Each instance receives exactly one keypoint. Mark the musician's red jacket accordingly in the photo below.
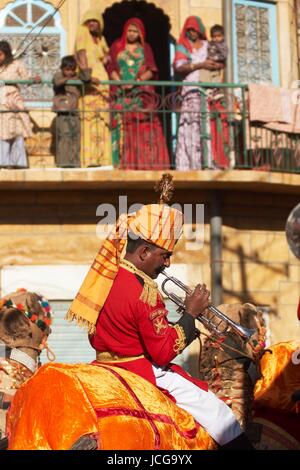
(128, 327)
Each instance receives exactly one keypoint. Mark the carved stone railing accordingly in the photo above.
(225, 133)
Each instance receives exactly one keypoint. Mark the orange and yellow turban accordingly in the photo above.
(156, 223)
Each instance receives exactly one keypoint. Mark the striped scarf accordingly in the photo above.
(158, 224)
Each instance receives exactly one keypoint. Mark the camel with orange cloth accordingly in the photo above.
(262, 388)
(76, 406)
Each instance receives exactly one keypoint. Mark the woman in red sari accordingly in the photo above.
(138, 142)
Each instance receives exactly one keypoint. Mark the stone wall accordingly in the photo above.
(40, 147)
(45, 227)
(209, 10)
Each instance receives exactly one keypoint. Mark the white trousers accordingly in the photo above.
(13, 153)
(208, 410)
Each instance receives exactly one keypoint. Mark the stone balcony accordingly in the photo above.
(97, 178)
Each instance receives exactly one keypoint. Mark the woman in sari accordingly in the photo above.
(91, 53)
(193, 152)
(137, 136)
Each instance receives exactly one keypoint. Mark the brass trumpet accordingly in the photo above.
(213, 326)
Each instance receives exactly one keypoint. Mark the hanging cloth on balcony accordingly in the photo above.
(277, 108)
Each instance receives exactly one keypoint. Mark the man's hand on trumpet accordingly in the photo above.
(198, 301)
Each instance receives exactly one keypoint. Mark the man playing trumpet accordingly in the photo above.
(121, 306)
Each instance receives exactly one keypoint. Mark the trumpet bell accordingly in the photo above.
(217, 323)
(292, 230)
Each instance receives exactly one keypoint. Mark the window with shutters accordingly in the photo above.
(36, 36)
(255, 51)
(69, 343)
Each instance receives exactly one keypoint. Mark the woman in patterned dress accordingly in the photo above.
(193, 152)
(14, 125)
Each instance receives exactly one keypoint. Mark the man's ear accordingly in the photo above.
(144, 251)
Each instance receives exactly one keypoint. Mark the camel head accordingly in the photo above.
(248, 316)
(25, 319)
(232, 346)
(230, 365)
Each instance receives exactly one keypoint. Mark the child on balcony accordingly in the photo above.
(217, 50)
(65, 104)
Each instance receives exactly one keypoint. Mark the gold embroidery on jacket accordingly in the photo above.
(149, 294)
(159, 325)
(158, 313)
(180, 342)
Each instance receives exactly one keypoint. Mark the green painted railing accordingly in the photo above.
(215, 131)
